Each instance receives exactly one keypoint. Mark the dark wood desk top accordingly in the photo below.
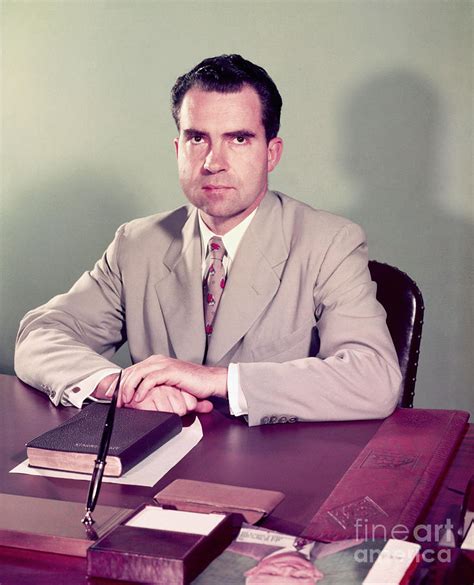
(288, 458)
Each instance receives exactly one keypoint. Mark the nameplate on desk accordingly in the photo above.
(52, 525)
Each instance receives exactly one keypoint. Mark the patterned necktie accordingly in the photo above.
(214, 282)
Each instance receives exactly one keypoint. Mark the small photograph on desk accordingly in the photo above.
(260, 557)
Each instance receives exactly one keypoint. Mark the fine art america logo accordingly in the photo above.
(436, 540)
(369, 520)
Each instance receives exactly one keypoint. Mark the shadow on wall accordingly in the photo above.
(396, 141)
(54, 232)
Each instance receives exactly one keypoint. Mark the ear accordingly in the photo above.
(176, 146)
(274, 152)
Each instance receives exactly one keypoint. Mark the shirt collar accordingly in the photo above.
(231, 239)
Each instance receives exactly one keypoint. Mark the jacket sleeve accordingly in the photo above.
(75, 334)
(356, 373)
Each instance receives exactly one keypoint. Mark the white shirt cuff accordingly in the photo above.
(77, 393)
(237, 402)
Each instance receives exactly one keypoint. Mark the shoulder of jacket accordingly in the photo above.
(159, 224)
(311, 217)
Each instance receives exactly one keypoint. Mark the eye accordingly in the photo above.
(240, 139)
(197, 139)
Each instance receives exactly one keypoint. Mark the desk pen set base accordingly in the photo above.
(162, 546)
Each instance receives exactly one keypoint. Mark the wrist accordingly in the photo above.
(220, 381)
(101, 391)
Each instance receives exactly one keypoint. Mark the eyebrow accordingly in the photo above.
(243, 133)
(189, 132)
(192, 132)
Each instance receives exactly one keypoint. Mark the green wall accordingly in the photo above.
(377, 124)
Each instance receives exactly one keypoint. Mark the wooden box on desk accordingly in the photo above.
(131, 552)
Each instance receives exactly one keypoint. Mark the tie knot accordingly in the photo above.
(216, 248)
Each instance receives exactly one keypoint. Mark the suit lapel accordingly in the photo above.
(180, 293)
(253, 280)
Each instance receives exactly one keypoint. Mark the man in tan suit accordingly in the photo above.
(290, 330)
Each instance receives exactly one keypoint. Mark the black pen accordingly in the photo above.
(100, 462)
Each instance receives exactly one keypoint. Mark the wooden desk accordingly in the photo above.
(289, 458)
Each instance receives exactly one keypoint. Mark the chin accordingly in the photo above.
(219, 211)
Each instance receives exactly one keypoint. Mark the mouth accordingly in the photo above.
(216, 187)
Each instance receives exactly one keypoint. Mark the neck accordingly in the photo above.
(222, 225)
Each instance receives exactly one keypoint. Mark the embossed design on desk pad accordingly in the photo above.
(430, 435)
(362, 509)
(389, 460)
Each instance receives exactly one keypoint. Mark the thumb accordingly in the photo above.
(204, 406)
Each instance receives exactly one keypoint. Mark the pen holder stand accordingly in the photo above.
(162, 546)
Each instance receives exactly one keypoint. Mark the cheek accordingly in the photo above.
(261, 162)
(256, 169)
(187, 166)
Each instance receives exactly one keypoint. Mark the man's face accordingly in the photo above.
(223, 155)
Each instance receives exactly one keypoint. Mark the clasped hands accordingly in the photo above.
(166, 384)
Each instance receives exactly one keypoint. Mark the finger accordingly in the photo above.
(151, 380)
(131, 381)
(161, 400)
(123, 396)
(135, 376)
(102, 390)
(146, 405)
(193, 404)
(178, 403)
(204, 406)
(190, 400)
(111, 389)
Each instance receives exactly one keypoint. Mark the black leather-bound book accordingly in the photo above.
(73, 445)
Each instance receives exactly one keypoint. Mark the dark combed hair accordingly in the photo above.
(228, 74)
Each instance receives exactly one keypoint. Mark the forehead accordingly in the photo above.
(212, 110)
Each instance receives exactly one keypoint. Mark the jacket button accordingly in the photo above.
(273, 419)
(283, 419)
(265, 420)
(292, 419)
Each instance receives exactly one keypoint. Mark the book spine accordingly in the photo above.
(149, 443)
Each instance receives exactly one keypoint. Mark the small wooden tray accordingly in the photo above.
(161, 557)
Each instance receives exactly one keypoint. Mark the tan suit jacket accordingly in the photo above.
(298, 273)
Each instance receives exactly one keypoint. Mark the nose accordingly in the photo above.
(214, 161)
